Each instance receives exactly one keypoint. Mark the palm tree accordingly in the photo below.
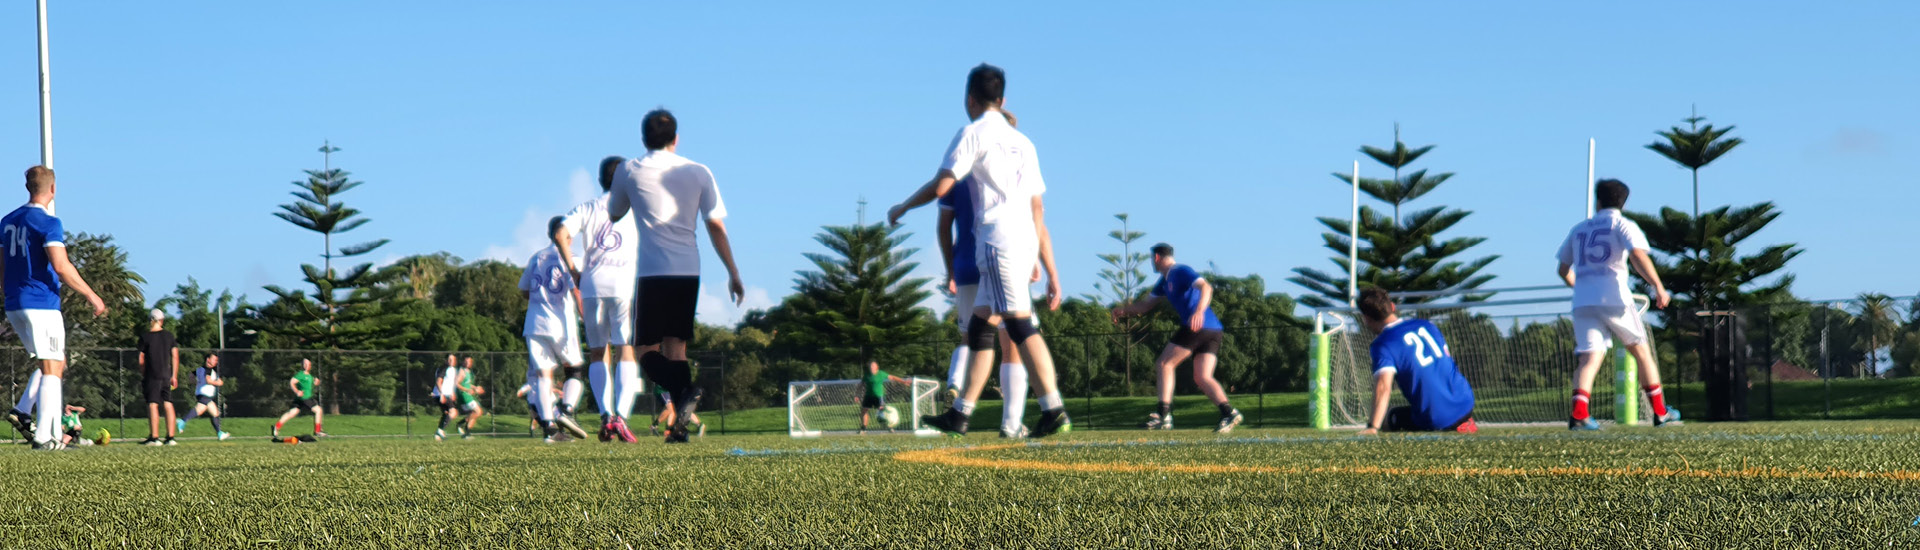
(1694, 148)
(1877, 317)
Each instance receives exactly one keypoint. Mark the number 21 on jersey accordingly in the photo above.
(1422, 342)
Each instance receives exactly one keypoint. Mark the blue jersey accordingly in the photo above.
(959, 200)
(1177, 287)
(1423, 369)
(30, 280)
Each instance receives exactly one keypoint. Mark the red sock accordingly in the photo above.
(1659, 399)
(276, 426)
(316, 427)
(1580, 404)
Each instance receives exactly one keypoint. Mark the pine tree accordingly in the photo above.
(1123, 281)
(858, 303)
(1402, 252)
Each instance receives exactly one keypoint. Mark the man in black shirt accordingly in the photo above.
(160, 368)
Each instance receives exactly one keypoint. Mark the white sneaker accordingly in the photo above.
(224, 436)
(1156, 422)
(1018, 432)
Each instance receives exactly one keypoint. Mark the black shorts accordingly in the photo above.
(871, 402)
(304, 404)
(157, 390)
(1400, 419)
(203, 399)
(1203, 342)
(664, 308)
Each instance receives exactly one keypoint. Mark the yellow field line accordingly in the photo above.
(958, 456)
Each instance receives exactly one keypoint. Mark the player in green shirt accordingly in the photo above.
(304, 399)
(876, 393)
(465, 392)
(70, 426)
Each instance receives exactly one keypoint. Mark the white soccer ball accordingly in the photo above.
(890, 416)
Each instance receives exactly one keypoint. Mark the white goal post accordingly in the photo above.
(1515, 348)
(832, 407)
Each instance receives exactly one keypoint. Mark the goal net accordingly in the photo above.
(824, 407)
(1516, 351)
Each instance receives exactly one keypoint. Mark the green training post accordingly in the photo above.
(1319, 391)
(1626, 388)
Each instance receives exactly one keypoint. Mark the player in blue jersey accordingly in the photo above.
(1199, 337)
(1412, 354)
(36, 266)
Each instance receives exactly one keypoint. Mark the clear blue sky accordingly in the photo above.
(179, 125)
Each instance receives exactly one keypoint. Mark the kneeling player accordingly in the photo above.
(1411, 353)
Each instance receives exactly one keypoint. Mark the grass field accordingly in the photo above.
(1772, 485)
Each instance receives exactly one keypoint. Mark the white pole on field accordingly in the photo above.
(1589, 178)
(46, 93)
(1353, 243)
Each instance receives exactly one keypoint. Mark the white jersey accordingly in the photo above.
(1598, 250)
(611, 267)
(668, 195)
(203, 379)
(1006, 176)
(550, 309)
(449, 377)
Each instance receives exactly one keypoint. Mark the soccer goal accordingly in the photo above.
(824, 407)
(1515, 347)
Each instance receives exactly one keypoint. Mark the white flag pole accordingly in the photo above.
(1353, 243)
(1589, 178)
(46, 94)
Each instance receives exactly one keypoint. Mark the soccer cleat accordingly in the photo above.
(606, 432)
(224, 435)
(1227, 423)
(151, 442)
(1052, 422)
(180, 425)
(558, 437)
(685, 410)
(22, 423)
(571, 427)
(1468, 427)
(952, 422)
(701, 431)
(170, 442)
(49, 446)
(655, 428)
(438, 435)
(1583, 424)
(318, 433)
(621, 432)
(1672, 417)
(1155, 422)
(676, 436)
(466, 436)
(1017, 432)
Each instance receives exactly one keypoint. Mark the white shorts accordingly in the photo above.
(1596, 327)
(1006, 278)
(609, 322)
(963, 297)
(42, 331)
(547, 352)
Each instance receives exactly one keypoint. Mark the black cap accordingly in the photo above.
(1162, 249)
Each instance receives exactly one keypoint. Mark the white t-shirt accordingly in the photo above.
(1598, 250)
(202, 381)
(549, 295)
(610, 269)
(1006, 176)
(669, 194)
(449, 377)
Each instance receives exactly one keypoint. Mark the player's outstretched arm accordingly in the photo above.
(1137, 307)
(938, 187)
(723, 246)
(70, 276)
(1644, 265)
(1382, 392)
(1046, 253)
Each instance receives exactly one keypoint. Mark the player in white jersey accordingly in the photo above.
(1010, 231)
(668, 196)
(443, 394)
(1594, 261)
(34, 260)
(552, 339)
(206, 388)
(606, 285)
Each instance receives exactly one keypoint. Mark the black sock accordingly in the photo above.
(1166, 410)
(443, 422)
(1226, 410)
(216, 424)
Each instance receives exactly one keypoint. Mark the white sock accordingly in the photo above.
(31, 396)
(48, 421)
(964, 406)
(597, 375)
(629, 388)
(573, 391)
(1052, 402)
(1013, 390)
(544, 388)
(957, 368)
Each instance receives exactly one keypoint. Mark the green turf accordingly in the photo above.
(769, 490)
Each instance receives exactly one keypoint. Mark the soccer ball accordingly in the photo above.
(103, 438)
(890, 416)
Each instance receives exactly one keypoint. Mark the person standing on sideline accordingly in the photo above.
(206, 388)
(160, 369)
(1009, 222)
(1199, 337)
(669, 195)
(606, 287)
(1594, 260)
(303, 394)
(36, 266)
